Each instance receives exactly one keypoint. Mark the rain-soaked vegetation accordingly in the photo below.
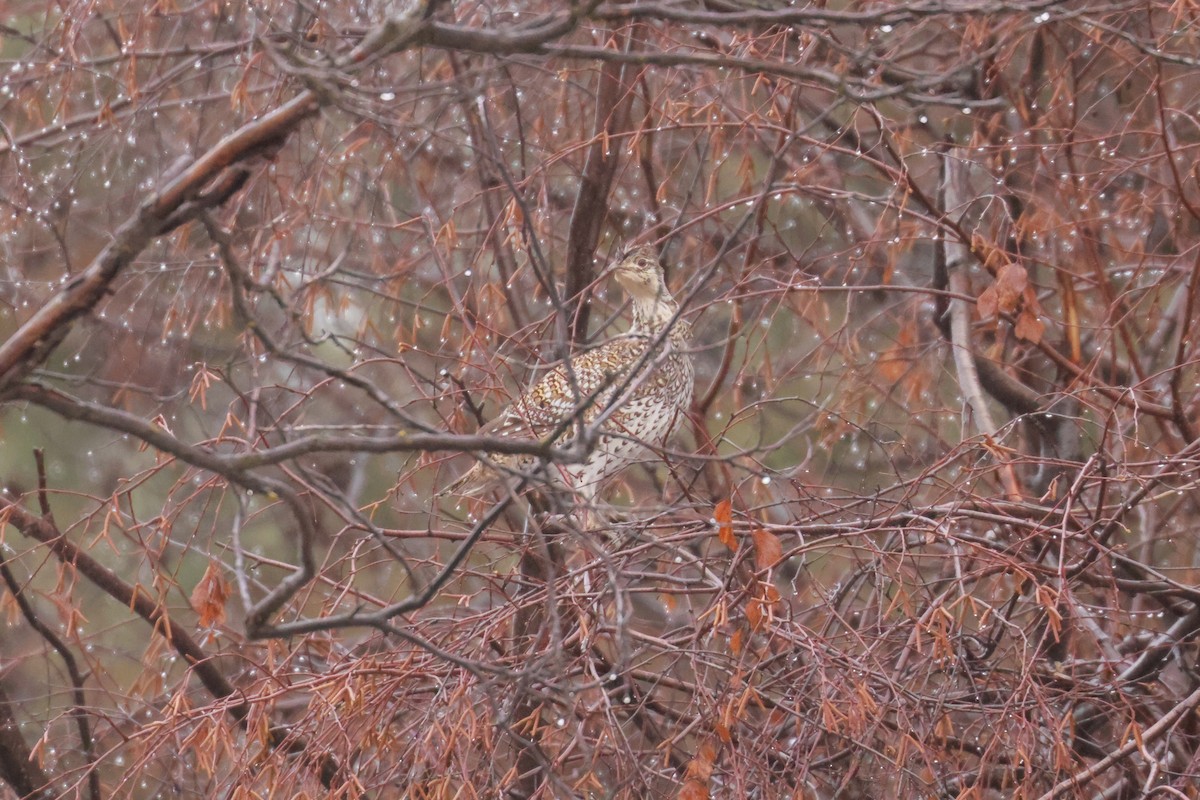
(267, 268)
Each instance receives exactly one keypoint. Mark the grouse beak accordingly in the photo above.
(621, 270)
(626, 275)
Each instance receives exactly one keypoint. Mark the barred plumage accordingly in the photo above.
(641, 382)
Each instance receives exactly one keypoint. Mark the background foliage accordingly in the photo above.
(267, 266)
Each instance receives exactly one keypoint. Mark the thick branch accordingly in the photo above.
(591, 204)
(234, 466)
(185, 197)
(18, 766)
(964, 361)
(41, 333)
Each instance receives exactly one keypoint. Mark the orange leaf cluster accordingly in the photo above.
(1004, 294)
(699, 771)
(723, 514)
(1010, 293)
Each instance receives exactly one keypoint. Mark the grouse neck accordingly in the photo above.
(653, 312)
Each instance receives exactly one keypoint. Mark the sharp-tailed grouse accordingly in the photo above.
(638, 385)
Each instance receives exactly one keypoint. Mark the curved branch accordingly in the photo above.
(746, 14)
(1135, 743)
(78, 711)
(138, 601)
(148, 609)
(381, 618)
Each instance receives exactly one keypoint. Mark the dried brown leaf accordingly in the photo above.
(1011, 281)
(701, 766)
(1029, 327)
(210, 595)
(755, 613)
(987, 303)
(768, 550)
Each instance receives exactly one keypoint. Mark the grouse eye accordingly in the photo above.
(641, 262)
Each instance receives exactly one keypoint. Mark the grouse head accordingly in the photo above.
(640, 273)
